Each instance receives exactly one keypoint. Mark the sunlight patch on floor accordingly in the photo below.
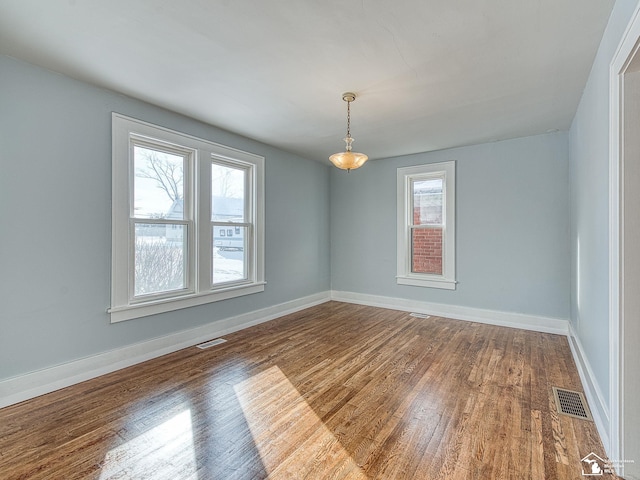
(163, 452)
(276, 413)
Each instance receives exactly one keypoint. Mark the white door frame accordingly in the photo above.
(625, 53)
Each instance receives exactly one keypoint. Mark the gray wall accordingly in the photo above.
(55, 219)
(512, 203)
(589, 174)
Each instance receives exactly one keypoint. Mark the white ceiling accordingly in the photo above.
(429, 74)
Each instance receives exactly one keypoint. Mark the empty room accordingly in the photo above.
(319, 240)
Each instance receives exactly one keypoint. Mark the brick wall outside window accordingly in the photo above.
(426, 246)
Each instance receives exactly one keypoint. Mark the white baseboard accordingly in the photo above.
(491, 317)
(30, 385)
(594, 396)
(595, 399)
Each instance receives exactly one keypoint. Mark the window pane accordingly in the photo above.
(426, 250)
(158, 189)
(227, 193)
(229, 255)
(427, 201)
(160, 252)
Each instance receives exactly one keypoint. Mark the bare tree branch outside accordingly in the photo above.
(168, 175)
(160, 249)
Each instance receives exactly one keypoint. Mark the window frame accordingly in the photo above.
(188, 221)
(227, 226)
(200, 289)
(405, 178)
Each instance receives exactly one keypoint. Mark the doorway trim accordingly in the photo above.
(625, 53)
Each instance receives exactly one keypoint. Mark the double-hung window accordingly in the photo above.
(187, 221)
(426, 225)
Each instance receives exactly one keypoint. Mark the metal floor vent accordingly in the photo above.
(571, 403)
(211, 343)
(419, 315)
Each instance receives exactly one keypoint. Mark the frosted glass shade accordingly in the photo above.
(348, 160)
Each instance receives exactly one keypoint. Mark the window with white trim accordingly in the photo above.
(426, 225)
(177, 201)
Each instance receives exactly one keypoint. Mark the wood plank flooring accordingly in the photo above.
(337, 391)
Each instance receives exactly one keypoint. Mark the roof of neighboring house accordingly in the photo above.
(224, 208)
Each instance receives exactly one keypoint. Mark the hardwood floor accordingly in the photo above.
(337, 391)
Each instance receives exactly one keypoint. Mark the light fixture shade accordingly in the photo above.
(348, 160)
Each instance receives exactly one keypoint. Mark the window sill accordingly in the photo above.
(129, 312)
(427, 282)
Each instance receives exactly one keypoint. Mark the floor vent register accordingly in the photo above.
(571, 403)
(211, 343)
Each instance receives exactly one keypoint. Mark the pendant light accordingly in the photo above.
(348, 160)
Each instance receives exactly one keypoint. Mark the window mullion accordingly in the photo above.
(203, 211)
(168, 247)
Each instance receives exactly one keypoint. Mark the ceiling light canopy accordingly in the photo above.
(348, 160)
